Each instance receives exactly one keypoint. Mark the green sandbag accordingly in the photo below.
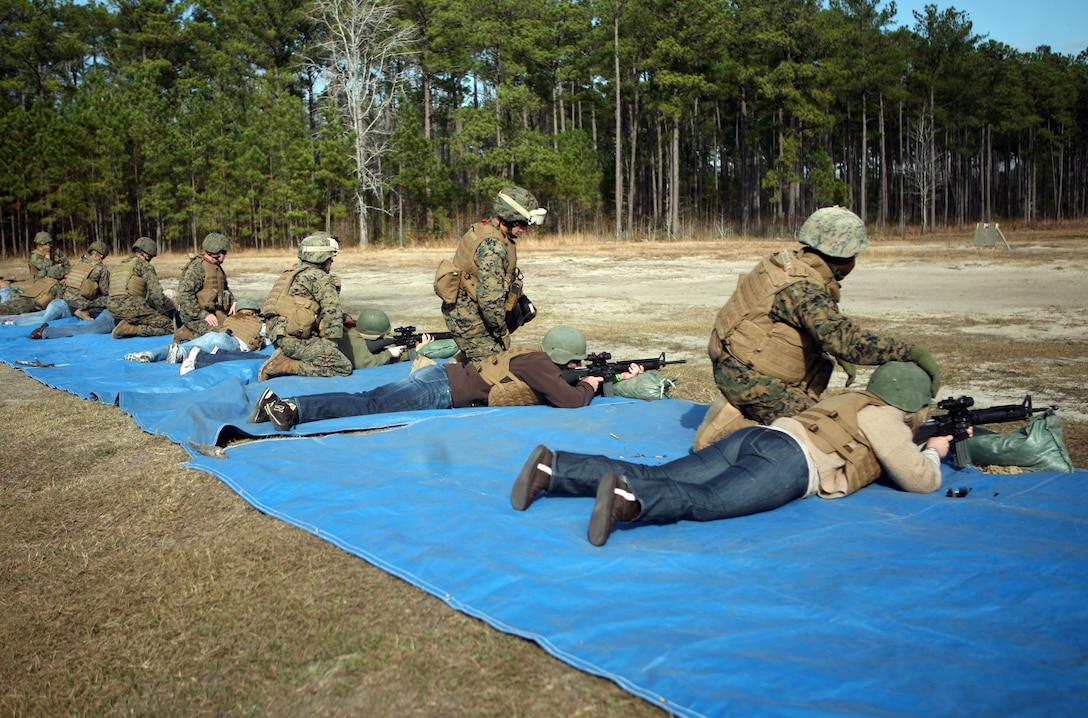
(1038, 446)
(648, 385)
(439, 349)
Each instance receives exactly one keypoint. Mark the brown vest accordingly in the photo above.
(506, 388)
(744, 326)
(213, 295)
(77, 282)
(832, 425)
(127, 284)
(465, 256)
(245, 328)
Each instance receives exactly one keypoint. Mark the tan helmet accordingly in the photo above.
(515, 204)
(318, 248)
(564, 344)
(147, 246)
(100, 247)
(835, 232)
(43, 238)
(215, 243)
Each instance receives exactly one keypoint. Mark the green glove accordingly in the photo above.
(925, 360)
(850, 368)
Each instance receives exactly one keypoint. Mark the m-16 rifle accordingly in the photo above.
(404, 337)
(599, 365)
(959, 417)
(10, 280)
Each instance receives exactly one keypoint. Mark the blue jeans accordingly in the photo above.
(204, 358)
(56, 309)
(102, 324)
(206, 342)
(427, 388)
(752, 470)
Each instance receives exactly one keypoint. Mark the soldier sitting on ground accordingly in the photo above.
(305, 319)
(137, 302)
(48, 268)
(204, 299)
(776, 340)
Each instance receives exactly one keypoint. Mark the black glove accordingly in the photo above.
(522, 313)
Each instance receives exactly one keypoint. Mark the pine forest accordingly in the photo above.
(392, 122)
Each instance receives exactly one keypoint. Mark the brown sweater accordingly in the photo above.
(893, 445)
(468, 388)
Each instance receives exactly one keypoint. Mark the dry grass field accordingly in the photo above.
(132, 586)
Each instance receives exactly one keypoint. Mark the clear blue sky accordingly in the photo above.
(1023, 24)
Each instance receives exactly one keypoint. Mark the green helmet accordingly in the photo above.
(215, 243)
(318, 248)
(100, 247)
(564, 344)
(43, 238)
(515, 204)
(147, 245)
(834, 231)
(373, 323)
(902, 384)
(252, 304)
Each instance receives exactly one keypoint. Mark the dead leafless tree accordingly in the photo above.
(358, 52)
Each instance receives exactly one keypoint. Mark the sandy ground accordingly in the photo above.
(1036, 292)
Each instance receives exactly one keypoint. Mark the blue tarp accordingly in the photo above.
(883, 603)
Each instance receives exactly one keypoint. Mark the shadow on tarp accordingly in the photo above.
(881, 603)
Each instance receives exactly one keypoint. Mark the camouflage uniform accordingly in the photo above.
(317, 355)
(53, 263)
(45, 262)
(137, 301)
(815, 312)
(773, 342)
(20, 304)
(192, 311)
(96, 282)
(479, 325)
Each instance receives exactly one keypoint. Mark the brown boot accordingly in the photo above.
(278, 365)
(721, 420)
(124, 330)
(84, 315)
(615, 503)
(37, 333)
(535, 477)
(182, 334)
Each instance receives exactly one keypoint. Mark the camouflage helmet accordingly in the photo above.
(515, 204)
(373, 323)
(251, 304)
(43, 238)
(146, 245)
(564, 344)
(100, 247)
(834, 232)
(318, 248)
(902, 384)
(216, 242)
